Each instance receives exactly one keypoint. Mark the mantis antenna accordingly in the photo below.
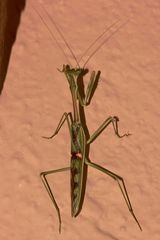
(68, 46)
(60, 33)
(96, 40)
(101, 44)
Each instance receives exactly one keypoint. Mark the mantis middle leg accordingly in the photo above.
(114, 120)
(64, 117)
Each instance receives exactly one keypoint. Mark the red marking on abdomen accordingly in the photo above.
(77, 155)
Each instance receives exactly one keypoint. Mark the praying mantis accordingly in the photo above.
(80, 138)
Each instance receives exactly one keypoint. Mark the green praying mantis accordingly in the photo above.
(79, 135)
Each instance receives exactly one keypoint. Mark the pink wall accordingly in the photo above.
(34, 97)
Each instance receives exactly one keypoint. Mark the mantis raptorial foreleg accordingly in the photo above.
(47, 186)
(109, 120)
(121, 185)
(90, 89)
(64, 117)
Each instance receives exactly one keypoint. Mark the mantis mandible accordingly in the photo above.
(80, 138)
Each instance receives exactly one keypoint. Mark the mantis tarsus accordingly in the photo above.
(80, 139)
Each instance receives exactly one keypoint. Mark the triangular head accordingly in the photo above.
(75, 77)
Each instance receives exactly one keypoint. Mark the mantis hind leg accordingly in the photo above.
(121, 185)
(49, 191)
(68, 117)
(114, 120)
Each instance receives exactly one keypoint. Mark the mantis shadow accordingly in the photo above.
(10, 13)
(80, 82)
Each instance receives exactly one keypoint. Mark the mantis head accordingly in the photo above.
(73, 75)
(75, 80)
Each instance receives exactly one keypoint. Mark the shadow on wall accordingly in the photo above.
(10, 13)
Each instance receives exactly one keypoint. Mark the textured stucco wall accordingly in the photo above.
(34, 97)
